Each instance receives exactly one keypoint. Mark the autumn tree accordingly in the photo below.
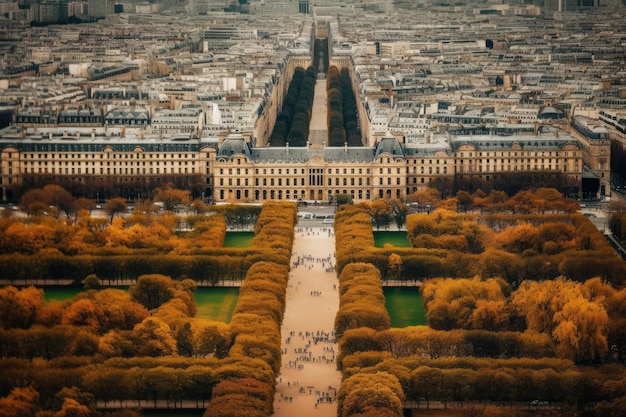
(20, 402)
(152, 290)
(172, 197)
(427, 198)
(382, 213)
(212, 339)
(361, 300)
(119, 310)
(20, 308)
(33, 202)
(154, 338)
(560, 308)
(83, 312)
(37, 200)
(60, 198)
(84, 398)
(464, 303)
(365, 392)
(395, 268)
(83, 203)
(91, 282)
(115, 206)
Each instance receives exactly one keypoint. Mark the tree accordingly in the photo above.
(121, 312)
(381, 212)
(213, 339)
(83, 203)
(184, 341)
(426, 383)
(581, 331)
(154, 338)
(19, 308)
(395, 267)
(172, 197)
(91, 282)
(33, 202)
(114, 207)
(427, 198)
(152, 290)
(400, 211)
(20, 402)
(83, 312)
(363, 393)
(74, 393)
(60, 198)
(72, 408)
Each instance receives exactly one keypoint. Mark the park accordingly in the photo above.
(245, 317)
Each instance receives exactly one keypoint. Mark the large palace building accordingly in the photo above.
(232, 170)
(124, 157)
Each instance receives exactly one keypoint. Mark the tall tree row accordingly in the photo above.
(362, 307)
(350, 110)
(292, 123)
(342, 112)
(257, 319)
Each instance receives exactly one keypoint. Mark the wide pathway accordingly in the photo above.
(308, 380)
(318, 127)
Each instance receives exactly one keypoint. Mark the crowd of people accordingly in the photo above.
(309, 356)
(305, 353)
(309, 262)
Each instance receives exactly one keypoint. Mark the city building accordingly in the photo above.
(451, 94)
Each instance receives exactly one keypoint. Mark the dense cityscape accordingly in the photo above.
(393, 208)
(488, 93)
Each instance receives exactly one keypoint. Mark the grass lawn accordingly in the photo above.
(397, 238)
(61, 293)
(213, 303)
(216, 303)
(405, 307)
(238, 239)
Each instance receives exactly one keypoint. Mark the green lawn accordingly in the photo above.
(216, 303)
(405, 306)
(238, 239)
(397, 238)
(61, 293)
(213, 303)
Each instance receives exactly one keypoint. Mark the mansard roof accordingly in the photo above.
(389, 145)
(303, 154)
(232, 145)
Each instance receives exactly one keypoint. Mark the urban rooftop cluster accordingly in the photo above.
(514, 87)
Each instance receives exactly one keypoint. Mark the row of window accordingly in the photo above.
(108, 163)
(108, 171)
(108, 156)
(260, 195)
(507, 154)
(288, 171)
